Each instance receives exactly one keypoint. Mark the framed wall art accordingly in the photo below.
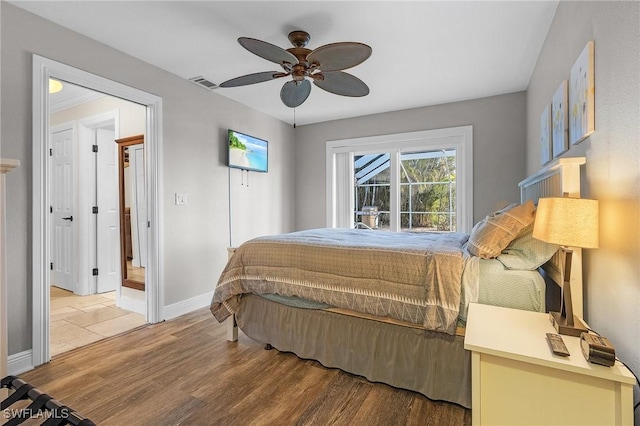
(560, 121)
(545, 135)
(582, 96)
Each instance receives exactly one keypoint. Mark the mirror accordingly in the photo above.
(133, 213)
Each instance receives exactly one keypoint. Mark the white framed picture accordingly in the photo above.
(560, 120)
(582, 96)
(545, 135)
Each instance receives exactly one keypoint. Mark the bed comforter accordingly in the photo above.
(416, 278)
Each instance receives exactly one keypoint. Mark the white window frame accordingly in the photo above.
(339, 166)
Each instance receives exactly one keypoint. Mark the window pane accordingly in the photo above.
(372, 191)
(428, 191)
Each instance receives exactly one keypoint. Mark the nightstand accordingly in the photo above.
(516, 379)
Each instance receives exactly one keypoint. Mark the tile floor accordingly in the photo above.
(80, 320)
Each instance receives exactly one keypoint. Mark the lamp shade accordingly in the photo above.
(567, 221)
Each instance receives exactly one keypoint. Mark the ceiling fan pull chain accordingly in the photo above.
(294, 118)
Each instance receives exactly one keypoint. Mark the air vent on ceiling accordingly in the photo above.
(201, 81)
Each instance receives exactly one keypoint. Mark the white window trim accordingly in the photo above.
(460, 138)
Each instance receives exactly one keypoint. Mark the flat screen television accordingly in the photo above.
(248, 152)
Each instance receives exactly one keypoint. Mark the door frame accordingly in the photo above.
(43, 69)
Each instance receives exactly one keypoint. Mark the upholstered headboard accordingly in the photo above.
(558, 178)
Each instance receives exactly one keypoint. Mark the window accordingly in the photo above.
(410, 182)
(372, 191)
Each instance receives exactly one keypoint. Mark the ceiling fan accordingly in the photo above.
(323, 65)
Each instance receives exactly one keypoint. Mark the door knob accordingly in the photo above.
(70, 218)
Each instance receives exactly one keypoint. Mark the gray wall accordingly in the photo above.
(195, 123)
(498, 149)
(612, 172)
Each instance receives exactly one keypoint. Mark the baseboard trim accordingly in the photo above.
(185, 306)
(20, 362)
(133, 305)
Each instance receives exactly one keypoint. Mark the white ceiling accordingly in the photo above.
(71, 95)
(424, 52)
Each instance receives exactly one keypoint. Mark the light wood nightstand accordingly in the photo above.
(516, 379)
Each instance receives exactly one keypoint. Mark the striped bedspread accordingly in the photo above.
(410, 277)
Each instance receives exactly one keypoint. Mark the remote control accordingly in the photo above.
(557, 344)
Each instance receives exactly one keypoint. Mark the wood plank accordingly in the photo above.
(184, 371)
(338, 403)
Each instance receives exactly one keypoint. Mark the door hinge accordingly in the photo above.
(50, 209)
(95, 148)
(94, 272)
(94, 210)
(148, 224)
(50, 152)
(51, 266)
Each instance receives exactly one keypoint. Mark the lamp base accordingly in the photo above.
(560, 324)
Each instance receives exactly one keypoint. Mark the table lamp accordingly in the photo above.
(568, 222)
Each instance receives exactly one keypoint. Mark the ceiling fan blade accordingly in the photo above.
(258, 77)
(342, 83)
(268, 51)
(294, 93)
(339, 56)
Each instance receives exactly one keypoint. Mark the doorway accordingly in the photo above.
(85, 297)
(152, 302)
(83, 175)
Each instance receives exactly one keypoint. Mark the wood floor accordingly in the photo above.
(183, 371)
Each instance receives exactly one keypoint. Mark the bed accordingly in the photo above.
(392, 307)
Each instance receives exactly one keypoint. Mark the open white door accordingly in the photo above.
(108, 219)
(63, 236)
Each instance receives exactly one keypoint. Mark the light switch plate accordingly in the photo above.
(181, 199)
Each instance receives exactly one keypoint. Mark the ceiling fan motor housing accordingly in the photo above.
(299, 38)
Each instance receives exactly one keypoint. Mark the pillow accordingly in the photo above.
(527, 253)
(493, 234)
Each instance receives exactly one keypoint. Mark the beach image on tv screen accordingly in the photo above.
(247, 152)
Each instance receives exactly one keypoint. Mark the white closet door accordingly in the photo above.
(63, 236)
